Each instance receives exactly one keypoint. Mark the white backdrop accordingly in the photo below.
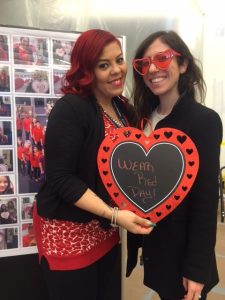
(132, 18)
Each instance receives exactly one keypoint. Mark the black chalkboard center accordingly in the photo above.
(147, 178)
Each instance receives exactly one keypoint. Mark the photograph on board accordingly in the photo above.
(32, 114)
(5, 133)
(6, 160)
(28, 237)
(7, 184)
(27, 204)
(61, 50)
(4, 79)
(29, 50)
(8, 238)
(32, 81)
(4, 48)
(5, 106)
(8, 211)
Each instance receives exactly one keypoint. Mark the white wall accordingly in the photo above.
(135, 19)
(214, 58)
(199, 22)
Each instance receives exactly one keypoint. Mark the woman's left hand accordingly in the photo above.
(193, 289)
(133, 223)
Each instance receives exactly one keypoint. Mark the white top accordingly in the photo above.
(153, 120)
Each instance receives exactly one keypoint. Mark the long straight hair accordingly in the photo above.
(8, 189)
(189, 83)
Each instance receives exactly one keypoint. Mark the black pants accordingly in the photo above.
(99, 281)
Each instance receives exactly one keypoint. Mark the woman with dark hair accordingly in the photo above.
(23, 52)
(6, 186)
(4, 214)
(11, 205)
(179, 257)
(78, 248)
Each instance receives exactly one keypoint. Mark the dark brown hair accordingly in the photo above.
(189, 83)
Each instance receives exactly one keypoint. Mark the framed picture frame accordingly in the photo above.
(4, 48)
(30, 50)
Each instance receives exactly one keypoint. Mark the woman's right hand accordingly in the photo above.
(89, 201)
(133, 223)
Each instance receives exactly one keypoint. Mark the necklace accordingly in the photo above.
(112, 120)
(122, 120)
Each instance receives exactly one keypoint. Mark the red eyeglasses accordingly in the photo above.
(161, 60)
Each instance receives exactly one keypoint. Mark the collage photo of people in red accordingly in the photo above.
(32, 66)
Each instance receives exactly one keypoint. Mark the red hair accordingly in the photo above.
(84, 57)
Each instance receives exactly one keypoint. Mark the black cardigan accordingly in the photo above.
(182, 244)
(74, 132)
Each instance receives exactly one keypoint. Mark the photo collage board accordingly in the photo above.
(32, 65)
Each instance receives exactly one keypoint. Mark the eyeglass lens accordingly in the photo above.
(160, 60)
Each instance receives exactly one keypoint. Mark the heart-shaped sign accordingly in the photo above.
(19, 82)
(40, 86)
(148, 175)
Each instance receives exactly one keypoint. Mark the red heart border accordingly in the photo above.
(169, 135)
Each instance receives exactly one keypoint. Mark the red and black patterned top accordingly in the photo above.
(69, 245)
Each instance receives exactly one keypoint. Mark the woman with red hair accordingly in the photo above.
(78, 249)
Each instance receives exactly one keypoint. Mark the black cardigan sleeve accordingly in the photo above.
(204, 197)
(65, 135)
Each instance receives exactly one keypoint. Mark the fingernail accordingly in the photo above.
(151, 224)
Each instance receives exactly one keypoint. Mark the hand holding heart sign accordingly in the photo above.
(148, 175)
